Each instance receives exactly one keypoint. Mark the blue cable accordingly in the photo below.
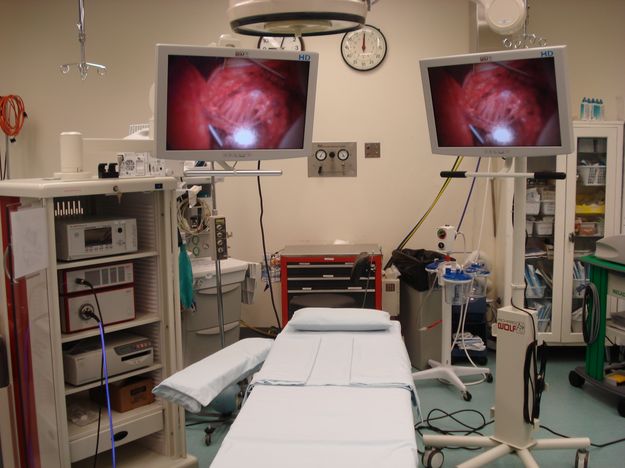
(108, 397)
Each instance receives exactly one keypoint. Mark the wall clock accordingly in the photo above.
(281, 43)
(364, 49)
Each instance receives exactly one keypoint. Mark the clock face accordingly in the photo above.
(281, 43)
(364, 49)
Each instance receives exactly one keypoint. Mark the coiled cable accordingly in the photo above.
(12, 115)
(592, 327)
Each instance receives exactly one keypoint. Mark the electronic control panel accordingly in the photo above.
(78, 239)
(219, 246)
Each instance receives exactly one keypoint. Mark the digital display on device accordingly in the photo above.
(225, 104)
(233, 103)
(511, 103)
(98, 236)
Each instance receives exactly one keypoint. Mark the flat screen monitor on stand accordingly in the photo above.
(511, 104)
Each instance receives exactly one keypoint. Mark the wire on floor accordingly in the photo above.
(607, 444)
(270, 333)
(467, 429)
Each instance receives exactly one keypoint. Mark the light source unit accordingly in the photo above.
(296, 17)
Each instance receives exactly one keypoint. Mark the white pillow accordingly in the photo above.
(339, 319)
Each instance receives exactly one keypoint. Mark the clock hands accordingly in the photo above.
(363, 42)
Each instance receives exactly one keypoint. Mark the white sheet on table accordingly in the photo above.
(328, 426)
(291, 362)
(381, 361)
(375, 359)
(334, 361)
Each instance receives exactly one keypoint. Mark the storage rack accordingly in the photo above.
(152, 434)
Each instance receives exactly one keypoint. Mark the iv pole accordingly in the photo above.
(198, 175)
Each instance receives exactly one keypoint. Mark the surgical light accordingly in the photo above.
(244, 137)
(502, 135)
(296, 17)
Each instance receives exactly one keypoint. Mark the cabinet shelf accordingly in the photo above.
(109, 259)
(77, 432)
(71, 389)
(323, 291)
(141, 319)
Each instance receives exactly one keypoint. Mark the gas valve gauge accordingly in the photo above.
(342, 154)
(321, 155)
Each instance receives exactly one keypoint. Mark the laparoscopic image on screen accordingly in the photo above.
(508, 103)
(218, 103)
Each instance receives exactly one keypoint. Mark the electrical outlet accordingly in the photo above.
(372, 150)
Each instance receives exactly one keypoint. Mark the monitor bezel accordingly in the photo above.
(164, 51)
(562, 90)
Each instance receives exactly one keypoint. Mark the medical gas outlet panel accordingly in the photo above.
(333, 160)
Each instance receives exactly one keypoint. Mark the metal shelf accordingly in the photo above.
(142, 319)
(71, 389)
(109, 259)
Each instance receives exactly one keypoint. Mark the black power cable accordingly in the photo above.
(265, 259)
(607, 444)
(97, 318)
(467, 428)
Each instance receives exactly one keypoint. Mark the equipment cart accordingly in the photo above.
(609, 279)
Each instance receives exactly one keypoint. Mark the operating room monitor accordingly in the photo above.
(507, 103)
(229, 104)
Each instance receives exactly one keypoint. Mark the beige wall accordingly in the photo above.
(388, 196)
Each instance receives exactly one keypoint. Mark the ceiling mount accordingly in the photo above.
(296, 17)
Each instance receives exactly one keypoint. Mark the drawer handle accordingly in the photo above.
(121, 435)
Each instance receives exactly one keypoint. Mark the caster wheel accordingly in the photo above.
(581, 459)
(489, 378)
(466, 396)
(621, 407)
(575, 379)
(209, 435)
(433, 458)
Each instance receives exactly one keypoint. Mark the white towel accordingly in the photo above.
(197, 385)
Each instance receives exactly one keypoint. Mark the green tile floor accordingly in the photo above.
(565, 409)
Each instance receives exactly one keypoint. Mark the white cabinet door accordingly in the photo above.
(593, 210)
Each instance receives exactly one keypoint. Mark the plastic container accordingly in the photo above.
(532, 207)
(543, 228)
(480, 274)
(547, 194)
(432, 271)
(589, 209)
(456, 286)
(592, 175)
(548, 207)
(535, 292)
(591, 228)
(529, 226)
(532, 195)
